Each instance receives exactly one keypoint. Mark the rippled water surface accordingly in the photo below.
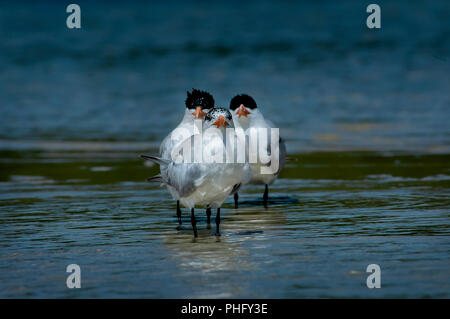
(364, 112)
(329, 216)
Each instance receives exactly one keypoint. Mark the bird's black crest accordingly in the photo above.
(245, 99)
(216, 112)
(199, 98)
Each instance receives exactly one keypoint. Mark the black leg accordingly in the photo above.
(208, 215)
(217, 222)
(178, 215)
(193, 222)
(236, 198)
(266, 195)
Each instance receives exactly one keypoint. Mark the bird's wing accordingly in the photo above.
(279, 153)
(165, 147)
(185, 177)
(184, 131)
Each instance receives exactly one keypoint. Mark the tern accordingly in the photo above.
(245, 112)
(210, 181)
(197, 104)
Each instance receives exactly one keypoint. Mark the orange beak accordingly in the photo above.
(221, 122)
(242, 111)
(199, 114)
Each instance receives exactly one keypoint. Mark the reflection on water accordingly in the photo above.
(329, 216)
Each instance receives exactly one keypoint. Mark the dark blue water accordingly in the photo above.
(315, 69)
(77, 107)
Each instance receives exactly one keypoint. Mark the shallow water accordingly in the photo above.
(365, 112)
(329, 216)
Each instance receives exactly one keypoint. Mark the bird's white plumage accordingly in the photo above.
(174, 141)
(250, 123)
(207, 183)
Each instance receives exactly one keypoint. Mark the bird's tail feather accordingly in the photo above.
(156, 178)
(155, 159)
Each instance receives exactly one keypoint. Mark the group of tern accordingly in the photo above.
(208, 182)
